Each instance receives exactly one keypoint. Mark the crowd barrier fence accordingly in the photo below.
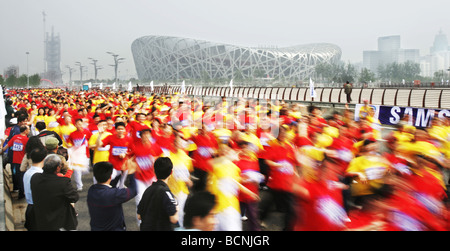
(438, 98)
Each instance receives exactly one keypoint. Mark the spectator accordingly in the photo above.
(105, 202)
(52, 147)
(158, 208)
(199, 213)
(44, 134)
(37, 157)
(348, 91)
(53, 197)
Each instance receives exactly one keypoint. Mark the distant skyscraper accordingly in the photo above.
(439, 58)
(440, 43)
(389, 51)
(53, 58)
(389, 43)
(10, 71)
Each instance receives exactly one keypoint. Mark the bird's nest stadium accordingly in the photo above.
(167, 58)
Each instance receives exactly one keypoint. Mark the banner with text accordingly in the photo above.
(391, 115)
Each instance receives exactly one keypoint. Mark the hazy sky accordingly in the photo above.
(90, 28)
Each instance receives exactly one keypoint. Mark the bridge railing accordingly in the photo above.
(438, 98)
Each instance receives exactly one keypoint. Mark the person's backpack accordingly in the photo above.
(347, 88)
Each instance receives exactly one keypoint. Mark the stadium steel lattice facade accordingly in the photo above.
(173, 58)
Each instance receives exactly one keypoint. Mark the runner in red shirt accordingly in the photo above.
(250, 178)
(280, 157)
(207, 147)
(318, 207)
(119, 150)
(17, 144)
(136, 126)
(145, 153)
(80, 138)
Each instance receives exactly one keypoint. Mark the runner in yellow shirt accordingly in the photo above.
(368, 171)
(100, 153)
(224, 184)
(65, 130)
(179, 182)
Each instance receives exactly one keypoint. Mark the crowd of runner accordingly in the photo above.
(323, 173)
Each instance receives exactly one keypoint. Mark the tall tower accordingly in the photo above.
(52, 56)
(45, 45)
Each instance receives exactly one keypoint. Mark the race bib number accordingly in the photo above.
(204, 151)
(331, 210)
(144, 163)
(402, 168)
(264, 141)
(105, 148)
(118, 150)
(345, 155)
(180, 172)
(228, 187)
(432, 204)
(286, 167)
(374, 173)
(406, 222)
(17, 147)
(53, 124)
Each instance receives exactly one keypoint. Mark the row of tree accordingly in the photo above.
(395, 72)
(21, 81)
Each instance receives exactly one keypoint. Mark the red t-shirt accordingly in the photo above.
(281, 178)
(145, 158)
(79, 138)
(248, 166)
(18, 143)
(320, 212)
(206, 145)
(362, 218)
(93, 128)
(408, 214)
(135, 128)
(118, 146)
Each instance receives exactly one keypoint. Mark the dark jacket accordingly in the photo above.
(105, 206)
(52, 196)
(45, 134)
(156, 207)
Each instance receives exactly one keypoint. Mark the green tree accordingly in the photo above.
(35, 80)
(397, 72)
(259, 73)
(22, 80)
(11, 81)
(366, 76)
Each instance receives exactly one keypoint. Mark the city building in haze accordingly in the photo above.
(12, 70)
(439, 58)
(389, 51)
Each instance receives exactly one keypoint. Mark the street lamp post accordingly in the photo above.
(81, 71)
(70, 73)
(28, 75)
(116, 63)
(96, 68)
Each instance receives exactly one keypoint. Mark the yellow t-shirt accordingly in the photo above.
(222, 183)
(64, 131)
(51, 123)
(182, 167)
(100, 153)
(38, 118)
(373, 168)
